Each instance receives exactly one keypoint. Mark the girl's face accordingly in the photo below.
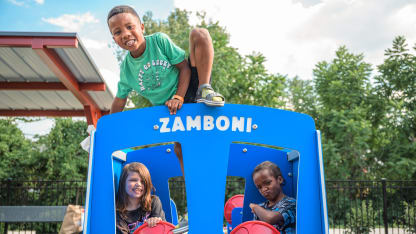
(128, 33)
(134, 185)
(268, 186)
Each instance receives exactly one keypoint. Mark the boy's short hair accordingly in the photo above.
(273, 168)
(122, 9)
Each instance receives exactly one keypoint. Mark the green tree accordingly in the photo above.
(15, 152)
(396, 112)
(344, 83)
(253, 85)
(302, 97)
(343, 87)
(60, 156)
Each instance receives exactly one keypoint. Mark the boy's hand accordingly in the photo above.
(252, 205)
(151, 222)
(173, 105)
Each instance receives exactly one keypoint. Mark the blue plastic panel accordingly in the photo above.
(117, 168)
(162, 164)
(236, 217)
(206, 134)
(242, 161)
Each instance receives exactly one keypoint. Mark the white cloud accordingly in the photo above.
(404, 20)
(308, 3)
(72, 23)
(17, 3)
(26, 3)
(295, 35)
(94, 44)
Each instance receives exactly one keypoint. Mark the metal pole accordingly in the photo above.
(386, 225)
(7, 202)
(5, 228)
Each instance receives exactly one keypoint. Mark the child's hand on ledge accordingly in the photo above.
(174, 105)
(252, 205)
(151, 222)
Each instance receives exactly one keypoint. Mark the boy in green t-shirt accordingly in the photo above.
(157, 69)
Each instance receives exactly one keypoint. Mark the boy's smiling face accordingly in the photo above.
(268, 185)
(127, 32)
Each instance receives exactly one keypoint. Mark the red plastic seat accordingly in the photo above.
(161, 228)
(255, 227)
(233, 202)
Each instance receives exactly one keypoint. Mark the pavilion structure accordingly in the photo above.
(50, 74)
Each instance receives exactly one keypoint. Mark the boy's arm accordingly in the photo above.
(268, 216)
(118, 105)
(183, 83)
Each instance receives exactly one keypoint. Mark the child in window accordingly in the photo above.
(279, 210)
(135, 204)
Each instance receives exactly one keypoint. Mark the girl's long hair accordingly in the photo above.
(122, 197)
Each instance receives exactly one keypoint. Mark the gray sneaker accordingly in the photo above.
(207, 95)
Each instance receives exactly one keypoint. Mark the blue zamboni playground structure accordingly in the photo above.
(216, 143)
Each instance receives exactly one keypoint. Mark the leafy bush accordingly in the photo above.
(361, 219)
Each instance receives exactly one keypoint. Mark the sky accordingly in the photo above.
(293, 35)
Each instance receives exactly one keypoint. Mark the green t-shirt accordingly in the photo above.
(153, 75)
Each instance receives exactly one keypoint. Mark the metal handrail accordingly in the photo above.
(181, 230)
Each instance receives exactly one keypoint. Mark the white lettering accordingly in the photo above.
(226, 123)
(237, 124)
(164, 122)
(248, 125)
(208, 122)
(178, 125)
(193, 123)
